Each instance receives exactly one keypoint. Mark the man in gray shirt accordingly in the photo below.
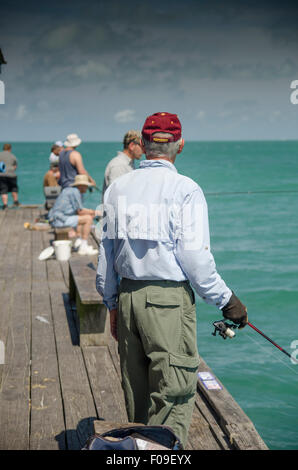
(8, 177)
(124, 161)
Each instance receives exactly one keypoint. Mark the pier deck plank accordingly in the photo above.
(51, 389)
(15, 331)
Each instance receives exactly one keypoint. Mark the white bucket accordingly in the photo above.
(62, 249)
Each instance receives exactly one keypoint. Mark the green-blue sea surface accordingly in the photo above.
(254, 239)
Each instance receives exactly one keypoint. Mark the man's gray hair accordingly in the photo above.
(158, 149)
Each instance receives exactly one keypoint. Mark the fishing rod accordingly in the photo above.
(270, 340)
(225, 330)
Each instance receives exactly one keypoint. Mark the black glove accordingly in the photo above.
(235, 311)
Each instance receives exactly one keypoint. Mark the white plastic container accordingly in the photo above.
(62, 249)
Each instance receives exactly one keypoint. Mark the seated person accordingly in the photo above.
(52, 176)
(68, 211)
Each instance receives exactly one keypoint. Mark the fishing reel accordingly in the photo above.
(224, 329)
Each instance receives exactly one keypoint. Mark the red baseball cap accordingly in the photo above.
(162, 122)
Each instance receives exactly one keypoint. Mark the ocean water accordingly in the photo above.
(254, 239)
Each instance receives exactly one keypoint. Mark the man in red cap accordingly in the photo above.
(156, 239)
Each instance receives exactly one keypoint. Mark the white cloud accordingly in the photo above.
(92, 68)
(21, 112)
(61, 37)
(126, 115)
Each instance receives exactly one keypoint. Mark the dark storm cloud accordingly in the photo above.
(103, 42)
(85, 53)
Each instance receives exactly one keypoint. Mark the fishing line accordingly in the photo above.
(271, 352)
(252, 192)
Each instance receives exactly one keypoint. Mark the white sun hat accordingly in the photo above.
(59, 143)
(72, 140)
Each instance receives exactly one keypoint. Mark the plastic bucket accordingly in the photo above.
(62, 249)
(2, 167)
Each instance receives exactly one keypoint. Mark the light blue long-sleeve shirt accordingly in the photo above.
(155, 227)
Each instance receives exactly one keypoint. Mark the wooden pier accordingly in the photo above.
(53, 390)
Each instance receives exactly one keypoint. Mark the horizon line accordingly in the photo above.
(120, 141)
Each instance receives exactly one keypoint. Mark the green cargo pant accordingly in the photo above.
(158, 352)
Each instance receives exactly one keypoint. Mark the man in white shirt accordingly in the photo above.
(156, 239)
(124, 161)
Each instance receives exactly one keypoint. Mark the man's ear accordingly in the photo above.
(181, 146)
(130, 146)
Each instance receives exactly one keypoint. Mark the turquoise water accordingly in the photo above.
(254, 239)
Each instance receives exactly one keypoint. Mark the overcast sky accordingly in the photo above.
(98, 68)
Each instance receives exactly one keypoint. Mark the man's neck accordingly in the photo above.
(127, 152)
(162, 157)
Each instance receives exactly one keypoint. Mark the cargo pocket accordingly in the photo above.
(158, 296)
(162, 319)
(182, 375)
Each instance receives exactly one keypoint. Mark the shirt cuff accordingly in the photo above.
(110, 305)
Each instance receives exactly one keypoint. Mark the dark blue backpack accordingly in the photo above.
(162, 435)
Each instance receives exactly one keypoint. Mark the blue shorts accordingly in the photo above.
(70, 221)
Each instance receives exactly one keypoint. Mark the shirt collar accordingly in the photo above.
(158, 164)
(127, 158)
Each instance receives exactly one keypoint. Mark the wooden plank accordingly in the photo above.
(9, 245)
(92, 314)
(6, 299)
(15, 335)
(64, 266)
(83, 273)
(47, 419)
(82, 269)
(105, 384)
(24, 256)
(2, 217)
(39, 272)
(79, 407)
(83, 265)
(207, 413)
(31, 206)
(100, 427)
(200, 436)
(87, 290)
(93, 327)
(232, 419)
(15, 393)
